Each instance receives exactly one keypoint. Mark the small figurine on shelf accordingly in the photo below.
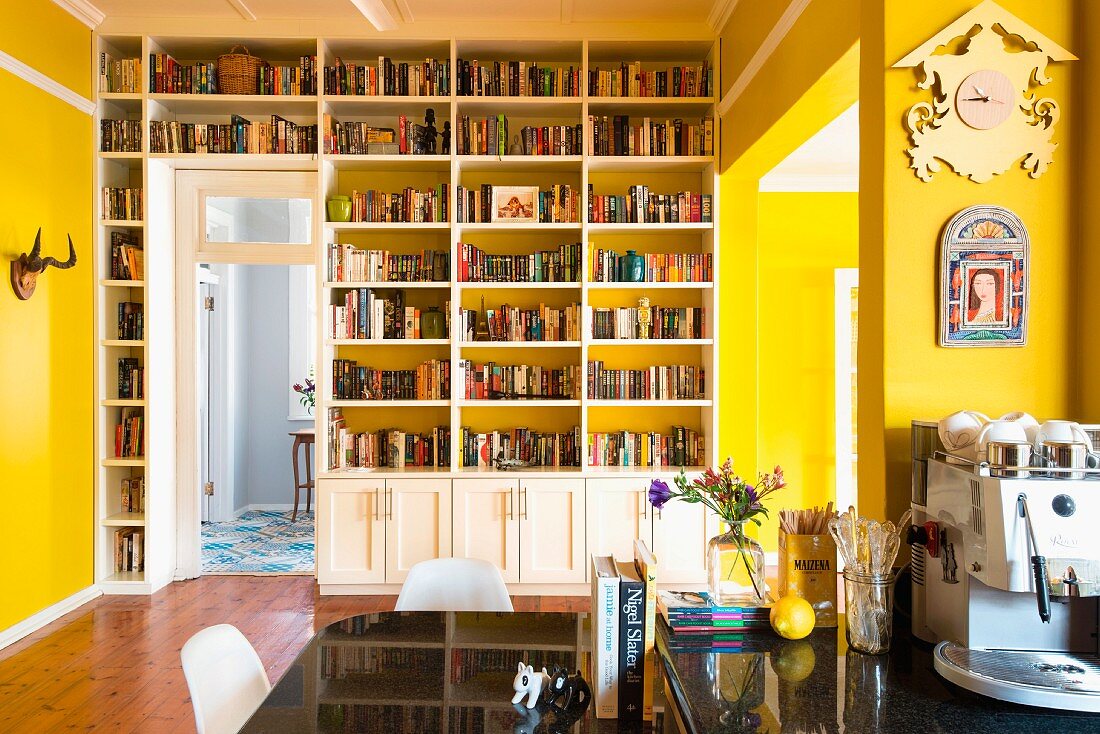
(429, 132)
(573, 687)
(516, 148)
(529, 683)
(447, 137)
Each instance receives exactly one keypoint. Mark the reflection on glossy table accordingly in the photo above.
(426, 672)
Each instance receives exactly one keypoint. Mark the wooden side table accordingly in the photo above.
(304, 437)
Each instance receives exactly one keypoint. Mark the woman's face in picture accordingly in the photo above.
(985, 287)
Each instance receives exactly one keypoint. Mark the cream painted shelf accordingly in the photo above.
(519, 345)
(238, 104)
(388, 226)
(649, 286)
(132, 343)
(650, 164)
(360, 104)
(387, 403)
(519, 162)
(238, 161)
(386, 342)
(420, 284)
(122, 403)
(134, 223)
(649, 342)
(125, 520)
(404, 163)
(648, 227)
(107, 283)
(127, 461)
(519, 403)
(617, 403)
(486, 227)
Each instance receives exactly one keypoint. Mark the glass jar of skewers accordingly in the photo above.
(735, 561)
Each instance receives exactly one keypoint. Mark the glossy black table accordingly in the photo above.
(432, 672)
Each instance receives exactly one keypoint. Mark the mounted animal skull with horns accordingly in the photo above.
(25, 270)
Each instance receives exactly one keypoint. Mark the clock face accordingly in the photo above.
(985, 99)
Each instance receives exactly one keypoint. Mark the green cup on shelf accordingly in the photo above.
(339, 208)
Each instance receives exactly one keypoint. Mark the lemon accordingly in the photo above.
(794, 661)
(792, 617)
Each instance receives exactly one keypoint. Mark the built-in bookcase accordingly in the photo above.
(343, 174)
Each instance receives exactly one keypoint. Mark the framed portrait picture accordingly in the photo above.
(983, 293)
(515, 204)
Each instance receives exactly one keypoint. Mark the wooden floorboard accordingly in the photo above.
(113, 665)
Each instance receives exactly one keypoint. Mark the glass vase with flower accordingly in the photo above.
(735, 561)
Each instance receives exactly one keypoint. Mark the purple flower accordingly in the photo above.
(659, 493)
(750, 493)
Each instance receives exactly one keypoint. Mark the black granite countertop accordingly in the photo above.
(452, 672)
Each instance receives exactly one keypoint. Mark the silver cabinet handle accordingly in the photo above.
(523, 502)
(510, 498)
(389, 503)
(376, 504)
(645, 508)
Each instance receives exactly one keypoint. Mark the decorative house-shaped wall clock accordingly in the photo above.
(985, 72)
(984, 279)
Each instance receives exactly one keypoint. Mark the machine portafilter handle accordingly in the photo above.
(1038, 562)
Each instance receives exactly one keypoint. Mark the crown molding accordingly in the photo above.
(83, 11)
(720, 14)
(405, 11)
(376, 12)
(809, 183)
(243, 10)
(46, 84)
(771, 42)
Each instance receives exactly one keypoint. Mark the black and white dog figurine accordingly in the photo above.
(573, 687)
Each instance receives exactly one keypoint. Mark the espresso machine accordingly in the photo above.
(1006, 575)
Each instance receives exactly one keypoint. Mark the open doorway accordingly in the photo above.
(246, 319)
(250, 416)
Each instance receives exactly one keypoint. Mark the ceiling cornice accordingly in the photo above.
(83, 11)
(405, 10)
(242, 9)
(771, 42)
(720, 14)
(377, 13)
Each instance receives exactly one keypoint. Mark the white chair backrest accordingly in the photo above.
(226, 678)
(454, 585)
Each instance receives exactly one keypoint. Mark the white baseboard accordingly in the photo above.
(39, 620)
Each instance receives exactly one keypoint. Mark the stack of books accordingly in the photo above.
(695, 623)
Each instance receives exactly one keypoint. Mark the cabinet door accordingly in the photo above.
(680, 535)
(617, 513)
(418, 523)
(486, 523)
(551, 533)
(351, 531)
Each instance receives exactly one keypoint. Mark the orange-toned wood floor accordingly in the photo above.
(114, 664)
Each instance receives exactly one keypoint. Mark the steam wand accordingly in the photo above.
(1038, 562)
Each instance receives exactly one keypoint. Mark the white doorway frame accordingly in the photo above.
(845, 279)
(192, 249)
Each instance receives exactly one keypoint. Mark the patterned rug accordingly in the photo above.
(259, 542)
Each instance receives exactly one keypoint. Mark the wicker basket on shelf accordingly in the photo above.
(238, 73)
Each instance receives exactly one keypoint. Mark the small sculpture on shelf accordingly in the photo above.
(573, 687)
(446, 137)
(644, 318)
(516, 148)
(529, 683)
(428, 133)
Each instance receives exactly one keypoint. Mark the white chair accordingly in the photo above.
(454, 585)
(226, 678)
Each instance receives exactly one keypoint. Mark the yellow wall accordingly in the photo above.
(46, 463)
(803, 238)
(903, 373)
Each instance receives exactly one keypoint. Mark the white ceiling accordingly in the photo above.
(405, 12)
(828, 161)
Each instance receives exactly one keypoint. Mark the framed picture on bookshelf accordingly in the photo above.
(515, 203)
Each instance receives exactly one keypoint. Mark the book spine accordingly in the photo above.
(632, 603)
(606, 646)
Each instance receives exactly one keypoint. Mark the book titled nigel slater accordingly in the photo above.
(632, 603)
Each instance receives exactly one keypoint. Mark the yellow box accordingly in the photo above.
(807, 568)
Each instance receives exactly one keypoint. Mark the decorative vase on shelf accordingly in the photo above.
(631, 267)
(339, 208)
(735, 568)
(431, 323)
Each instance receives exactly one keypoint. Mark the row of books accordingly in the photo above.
(347, 263)
(123, 203)
(618, 135)
(127, 256)
(129, 549)
(492, 381)
(121, 76)
(364, 138)
(657, 382)
(639, 205)
(338, 661)
(370, 314)
(682, 447)
(131, 320)
(132, 494)
(533, 448)
(624, 630)
(633, 80)
(401, 718)
(664, 323)
(241, 135)
(516, 79)
(409, 205)
(542, 266)
(558, 204)
(288, 80)
(387, 447)
(167, 76)
(120, 136)
(430, 78)
(513, 324)
(490, 136)
(657, 267)
(130, 434)
(430, 380)
(467, 664)
(131, 379)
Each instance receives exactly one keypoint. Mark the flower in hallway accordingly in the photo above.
(307, 392)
